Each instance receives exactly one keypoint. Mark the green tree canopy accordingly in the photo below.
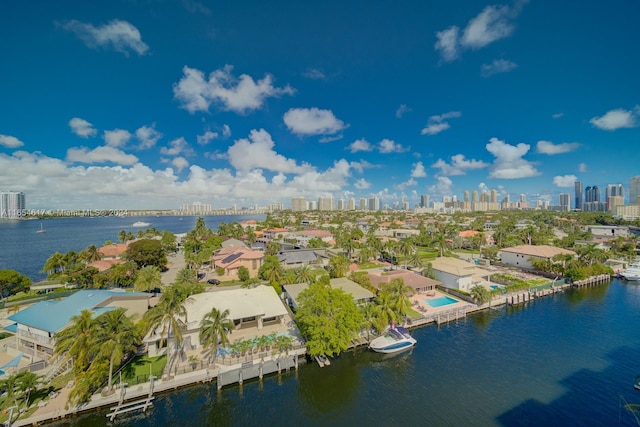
(328, 318)
(146, 252)
(148, 279)
(12, 282)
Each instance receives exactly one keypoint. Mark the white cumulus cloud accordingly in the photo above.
(257, 152)
(148, 136)
(402, 109)
(10, 141)
(438, 123)
(564, 181)
(224, 90)
(442, 187)
(497, 66)
(226, 131)
(509, 162)
(314, 74)
(180, 163)
(459, 165)
(387, 146)
(418, 171)
(582, 167)
(548, 147)
(312, 121)
(404, 185)
(116, 137)
(360, 145)
(206, 137)
(118, 35)
(362, 184)
(100, 155)
(82, 127)
(178, 146)
(617, 119)
(493, 23)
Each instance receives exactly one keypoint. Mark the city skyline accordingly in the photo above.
(159, 104)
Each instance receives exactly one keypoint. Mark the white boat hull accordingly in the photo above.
(393, 341)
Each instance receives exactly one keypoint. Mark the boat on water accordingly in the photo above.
(395, 339)
(41, 229)
(141, 224)
(632, 272)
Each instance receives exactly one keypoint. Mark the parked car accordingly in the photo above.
(213, 281)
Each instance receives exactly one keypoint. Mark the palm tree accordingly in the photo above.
(91, 254)
(122, 236)
(338, 266)
(170, 318)
(54, 263)
(215, 328)
(74, 341)
(400, 296)
(440, 241)
(480, 294)
(304, 274)
(115, 337)
(407, 248)
(148, 278)
(27, 382)
(185, 277)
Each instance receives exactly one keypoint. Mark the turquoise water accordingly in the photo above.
(564, 360)
(439, 302)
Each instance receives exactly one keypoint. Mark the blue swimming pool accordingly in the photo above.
(439, 302)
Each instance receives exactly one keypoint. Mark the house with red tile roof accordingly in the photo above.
(415, 281)
(230, 259)
(113, 251)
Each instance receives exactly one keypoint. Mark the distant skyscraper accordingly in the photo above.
(614, 190)
(494, 196)
(577, 186)
(352, 204)
(474, 196)
(12, 204)
(565, 202)
(299, 204)
(374, 204)
(363, 204)
(424, 201)
(340, 204)
(634, 189)
(466, 196)
(592, 194)
(325, 203)
(523, 198)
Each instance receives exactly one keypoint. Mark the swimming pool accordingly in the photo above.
(439, 302)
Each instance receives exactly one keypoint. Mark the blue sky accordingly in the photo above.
(150, 104)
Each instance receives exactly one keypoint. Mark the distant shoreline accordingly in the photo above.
(125, 213)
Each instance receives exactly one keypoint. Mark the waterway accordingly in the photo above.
(564, 360)
(24, 250)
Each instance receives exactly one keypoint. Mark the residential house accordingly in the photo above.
(522, 256)
(250, 310)
(298, 258)
(360, 295)
(415, 281)
(36, 326)
(230, 259)
(456, 273)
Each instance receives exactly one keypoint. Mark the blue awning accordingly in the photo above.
(13, 328)
(13, 363)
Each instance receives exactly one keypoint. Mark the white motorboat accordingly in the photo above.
(632, 272)
(141, 224)
(395, 339)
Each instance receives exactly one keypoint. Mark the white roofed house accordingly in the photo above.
(455, 273)
(523, 256)
(254, 312)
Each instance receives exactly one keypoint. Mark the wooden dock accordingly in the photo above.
(135, 405)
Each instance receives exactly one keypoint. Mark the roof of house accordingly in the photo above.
(468, 233)
(348, 286)
(228, 258)
(458, 267)
(105, 264)
(411, 279)
(113, 251)
(241, 303)
(542, 251)
(54, 315)
(297, 257)
(233, 243)
(315, 233)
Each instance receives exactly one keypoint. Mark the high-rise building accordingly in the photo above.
(494, 196)
(592, 194)
(474, 196)
(614, 190)
(363, 204)
(340, 204)
(424, 201)
(466, 196)
(313, 205)
(565, 202)
(577, 189)
(299, 204)
(374, 204)
(352, 204)
(12, 204)
(325, 203)
(634, 189)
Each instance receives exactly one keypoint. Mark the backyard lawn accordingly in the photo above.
(138, 370)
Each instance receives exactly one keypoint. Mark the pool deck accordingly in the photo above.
(418, 302)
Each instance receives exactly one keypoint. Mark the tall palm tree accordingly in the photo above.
(148, 278)
(338, 266)
(304, 274)
(169, 318)
(74, 341)
(91, 254)
(115, 337)
(54, 263)
(215, 327)
(440, 241)
(407, 248)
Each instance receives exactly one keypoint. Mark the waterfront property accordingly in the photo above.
(36, 326)
(459, 274)
(360, 295)
(251, 310)
(440, 301)
(522, 256)
(415, 281)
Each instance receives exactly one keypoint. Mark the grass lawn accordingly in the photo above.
(138, 369)
(369, 265)
(413, 314)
